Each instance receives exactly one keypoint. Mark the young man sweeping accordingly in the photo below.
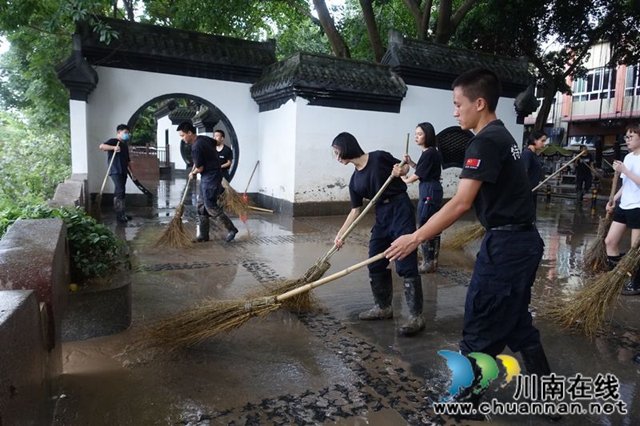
(206, 162)
(495, 182)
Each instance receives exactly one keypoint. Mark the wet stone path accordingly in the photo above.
(325, 366)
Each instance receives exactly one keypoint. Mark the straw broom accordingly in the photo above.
(213, 317)
(96, 207)
(175, 235)
(322, 265)
(244, 194)
(465, 235)
(587, 310)
(232, 201)
(595, 258)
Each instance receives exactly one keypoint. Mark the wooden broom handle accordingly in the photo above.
(186, 188)
(106, 176)
(614, 186)
(332, 277)
(251, 177)
(372, 203)
(558, 171)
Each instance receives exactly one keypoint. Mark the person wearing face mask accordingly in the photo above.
(119, 169)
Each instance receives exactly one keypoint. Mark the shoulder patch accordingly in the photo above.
(472, 163)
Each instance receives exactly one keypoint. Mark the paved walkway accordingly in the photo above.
(325, 367)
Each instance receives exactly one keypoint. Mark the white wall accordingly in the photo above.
(175, 157)
(118, 102)
(292, 143)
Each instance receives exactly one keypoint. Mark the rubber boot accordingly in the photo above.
(432, 252)
(535, 362)
(228, 226)
(118, 204)
(472, 394)
(202, 229)
(382, 289)
(612, 261)
(424, 265)
(413, 296)
(632, 287)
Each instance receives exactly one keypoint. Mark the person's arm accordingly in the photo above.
(108, 147)
(619, 166)
(353, 214)
(414, 177)
(407, 159)
(445, 217)
(226, 164)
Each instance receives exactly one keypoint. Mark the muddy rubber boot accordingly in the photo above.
(229, 226)
(433, 247)
(632, 287)
(535, 362)
(382, 289)
(118, 205)
(202, 229)
(413, 296)
(424, 265)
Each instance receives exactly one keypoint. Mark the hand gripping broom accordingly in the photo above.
(96, 207)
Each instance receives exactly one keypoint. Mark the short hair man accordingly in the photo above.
(120, 166)
(225, 154)
(494, 181)
(206, 162)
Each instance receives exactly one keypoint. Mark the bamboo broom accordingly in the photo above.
(213, 317)
(588, 309)
(96, 207)
(595, 258)
(175, 235)
(465, 235)
(322, 265)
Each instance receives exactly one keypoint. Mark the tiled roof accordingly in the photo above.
(422, 63)
(167, 50)
(329, 81)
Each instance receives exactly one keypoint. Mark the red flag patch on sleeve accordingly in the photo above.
(472, 163)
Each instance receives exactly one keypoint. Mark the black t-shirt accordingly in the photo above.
(504, 198)
(429, 166)
(367, 182)
(532, 166)
(120, 165)
(225, 154)
(582, 168)
(205, 155)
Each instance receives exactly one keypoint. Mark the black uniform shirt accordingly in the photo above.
(367, 182)
(225, 154)
(582, 168)
(120, 165)
(429, 166)
(532, 166)
(504, 198)
(205, 155)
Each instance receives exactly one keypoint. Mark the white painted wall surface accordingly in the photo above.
(78, 125)
(118, 101)
(175, 157)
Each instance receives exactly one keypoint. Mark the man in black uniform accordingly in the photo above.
(583, 172)
(224, 153)
(206, 162)
(119, 168)
(494, 181)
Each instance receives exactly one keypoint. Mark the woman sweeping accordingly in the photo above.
(394, 217)
(428, 171)
(627, 213)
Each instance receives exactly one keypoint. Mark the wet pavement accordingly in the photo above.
(324, 367)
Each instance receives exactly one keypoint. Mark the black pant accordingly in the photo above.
(119, 182)
(583, 180)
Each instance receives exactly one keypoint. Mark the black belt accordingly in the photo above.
(394, 198)
(514, 228)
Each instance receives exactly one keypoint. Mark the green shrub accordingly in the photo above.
(93, 248)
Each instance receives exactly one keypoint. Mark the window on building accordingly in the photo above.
(632, 82)
(600, 83)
